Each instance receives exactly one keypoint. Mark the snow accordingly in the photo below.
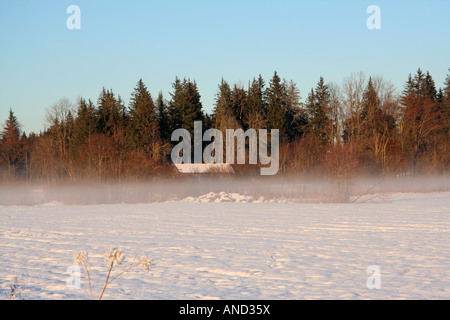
(224, 245)
(223, 197)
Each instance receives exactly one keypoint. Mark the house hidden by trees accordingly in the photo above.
(360, 127)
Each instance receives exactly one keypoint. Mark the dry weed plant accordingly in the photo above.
(112, 257)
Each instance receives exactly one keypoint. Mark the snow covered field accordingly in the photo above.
(204, 248)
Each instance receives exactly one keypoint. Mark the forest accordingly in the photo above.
(360, 127)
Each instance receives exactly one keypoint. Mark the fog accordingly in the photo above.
(296, 189)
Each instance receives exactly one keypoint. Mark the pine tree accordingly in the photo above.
(429, 88)
(420, 123)
(110, 113)
(239, 105)
(422, 126)
(223, 117)
(422, 84)
(317, 108)
(444, 103)
(185, 106)
(11, 144)
(447, 87)
(84, 126)
(371, 102)
(256, 104)
(409, 87)
(310, 108)
(207, 121)
(377, 128)
(162, 116)
(277, 105)
(296, 119)
(70, 126)
(11, 128)
(419, 82)
(142, 115)
(192, 111)
(176, 105)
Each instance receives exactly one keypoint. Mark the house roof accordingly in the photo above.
(204, 168)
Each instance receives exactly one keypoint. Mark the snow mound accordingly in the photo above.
(220, 197)
(228, 197)
(52, 204)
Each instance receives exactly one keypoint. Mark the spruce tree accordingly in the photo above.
(223, 116)
(377, 127)
(429, 88)
(445, 105)
(371, 102)
(317, 108)
(419, 82)
(142, 112)
(185, 106)
(84, 125)
(176, 105)
(162, 116)
(192, 110)
(256, 104)
(11, 145)
(296, 120)
(447, 87)
(409, 86)
(277, 105)
(239, 105)
(110, 113)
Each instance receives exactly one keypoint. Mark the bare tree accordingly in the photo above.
(353, 92)
(59, 119)
(336, 112)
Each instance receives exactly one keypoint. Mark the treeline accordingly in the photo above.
(360, 127)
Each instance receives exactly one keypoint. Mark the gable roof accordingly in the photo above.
(204, 168)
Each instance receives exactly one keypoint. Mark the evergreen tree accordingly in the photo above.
(223, 117)
(11, 128)
(423, 122)
(124, 118)
(371, 102)
(110, 113)
(142, 112)
(207, 122)
(447, 87)
(176, 105)
(162, 116)
(277, 105)
(429, 88)
(185, 106)
(239, 104)
(444, 101)
(70, 126)
(84, 126)
(422, 84)
(409, 86)
(256, 104)
(11, 144)
(192, 110)
(419, 82)
(296, 119)
(377, 127)
(317, 108)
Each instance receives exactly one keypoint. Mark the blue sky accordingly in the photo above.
(41, 60)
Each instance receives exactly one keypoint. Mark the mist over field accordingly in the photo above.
(255, 188)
